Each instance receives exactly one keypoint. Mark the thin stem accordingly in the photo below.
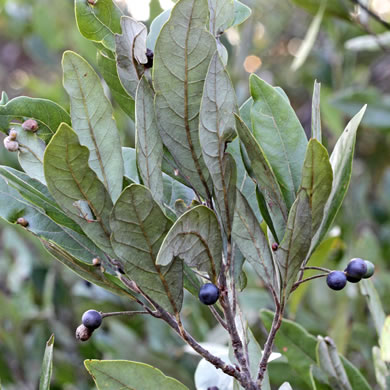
(372, 14)
(295, 285)
(318, 269)
(277, 321)
(124, 313)
(217, 316)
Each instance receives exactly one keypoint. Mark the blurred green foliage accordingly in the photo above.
(39, 297)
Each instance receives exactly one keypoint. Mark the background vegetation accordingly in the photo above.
(38, 296)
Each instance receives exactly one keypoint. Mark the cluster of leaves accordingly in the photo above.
(72, 194)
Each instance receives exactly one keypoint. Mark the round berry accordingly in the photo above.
(91, 319)
(336, 280)
(370, 269)
(356, 268)
(275, 246)
(213, 388)
(83, 333)
(351, 279)
(209, 294)
(149, 56)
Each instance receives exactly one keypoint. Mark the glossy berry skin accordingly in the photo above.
(336, 280)
(356, 268)
(370, 269)
(209, 294)
(92, 319)
(353, 280)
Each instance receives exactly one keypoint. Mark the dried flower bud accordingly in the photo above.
(12, 134)
(96, 262)
(83, 333)
(10, 145)
(30, 125)
(22, 221)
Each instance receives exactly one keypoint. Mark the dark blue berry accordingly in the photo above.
(209, 294)
(336, 280)
(351, 279)
(149, 56)
(92, 319)
(356, 268)
(213, 388)
(370, 269)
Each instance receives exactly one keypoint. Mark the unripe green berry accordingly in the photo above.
(370, 269)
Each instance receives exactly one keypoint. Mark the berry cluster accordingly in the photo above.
(91, 320)
(357, 269)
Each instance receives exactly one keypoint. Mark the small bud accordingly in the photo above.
(83, 333)
(96, 262)
(176, 172)
(30, 125)
(149, 56)
(275, 246)
(10, 145)
(22, 222)
(12, 134)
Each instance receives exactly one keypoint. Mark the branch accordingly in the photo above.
(295, 285)
(372, 14)
(124, 313)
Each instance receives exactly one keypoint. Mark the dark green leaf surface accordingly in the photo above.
(130, 53)
(216, 127)
(70, 179)
(265, 179)
(357, 380)
(48, 114)
(196, 239)
(127, 375)
(47, 365)
(178, 81)
(317, 177)
(130, 164)
(252, 242)
(149, 146)
(98, 22)
(280, 134)
(139, 227)
(296, 242)
(341, 161)
(92, 120)
(107, 68)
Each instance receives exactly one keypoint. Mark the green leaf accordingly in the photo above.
(123, 374)
(130, 164)
(88, 272)
(196, 239)
(216, 128)
(280, 134)
(47, 365)
(310, 38)
(241, 13)
(265, 179)
(70, 179)
(221, 15)
(31, 150)
(294, 342)
(149, 145)
(107, 68)
(92, 119)
(4, 98)
(178, 80)
(316, 131)
(252, 242)
(98, 22)
(357, 380)
(131, 53)
(374, 304)
(329, 360)
(43, 216)
(174, 190)
(384, 340)
(48, 114)
(333, 8)
(139, 227)
(381, 371)
(317, 177)
(155, 28)
(341, 161)
(296, 242)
